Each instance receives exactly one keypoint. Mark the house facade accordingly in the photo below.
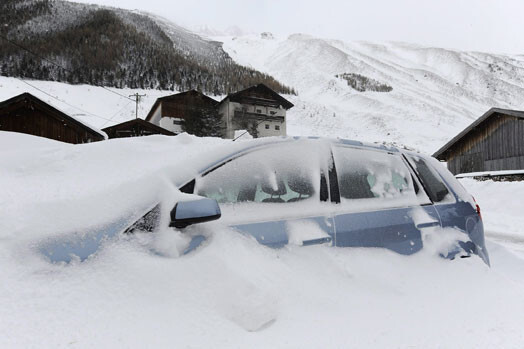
(257, 109)
(170, 112)
(494, 142)
(26, 113)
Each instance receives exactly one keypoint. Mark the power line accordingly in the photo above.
(58, 99)
(56, 64)
(115, 114)
(137, 100)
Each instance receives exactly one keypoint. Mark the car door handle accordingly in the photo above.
(317, 241)
(428, 224)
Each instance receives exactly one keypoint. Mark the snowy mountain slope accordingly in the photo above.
(208, 31)
(106, 46)
(436, 92)
(206, 51)
(91, 104)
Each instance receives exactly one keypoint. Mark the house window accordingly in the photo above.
(277, 127)
(259, 111)
(267, 126)
(272, 112)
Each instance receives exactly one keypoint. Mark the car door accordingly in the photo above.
(456, 207)
(276, 193)
(382, 204)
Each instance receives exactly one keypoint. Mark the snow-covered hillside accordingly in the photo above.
(436, 92)
(92, 105)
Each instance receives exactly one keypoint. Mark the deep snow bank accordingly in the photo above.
(55, 187)
(501, 204)
(231, 292)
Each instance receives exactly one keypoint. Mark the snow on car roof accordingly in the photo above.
(234, 149)
(248, 144)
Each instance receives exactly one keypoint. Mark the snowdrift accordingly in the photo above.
(136, 291)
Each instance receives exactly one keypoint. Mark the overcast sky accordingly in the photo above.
(481, 25)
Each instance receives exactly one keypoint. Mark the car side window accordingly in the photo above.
(370, 179)
(433, 184)
(276, 174)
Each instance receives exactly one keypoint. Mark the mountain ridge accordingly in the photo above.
(114, 47)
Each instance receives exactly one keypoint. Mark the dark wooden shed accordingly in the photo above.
(494, 142)
(136, 128)
(27, 114)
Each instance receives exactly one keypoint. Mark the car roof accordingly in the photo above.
(342, 141)
(249, 145)
(228, 151)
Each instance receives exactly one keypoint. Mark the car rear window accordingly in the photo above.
(453, 184)
(433, 184)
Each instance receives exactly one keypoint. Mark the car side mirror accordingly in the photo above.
(195, 211)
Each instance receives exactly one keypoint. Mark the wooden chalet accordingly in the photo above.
(136, 128)
(169, 112)
(494, 142)
(27, 114)
(258, 109)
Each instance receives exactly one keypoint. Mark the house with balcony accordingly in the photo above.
(257, 109)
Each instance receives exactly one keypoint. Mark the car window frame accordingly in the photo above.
(324, 194)
(451, 193)
(335, 188)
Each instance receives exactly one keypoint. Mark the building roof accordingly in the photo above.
(176, 96)
(26, 96)
(516, 113)
(141, 122)
(260, 87)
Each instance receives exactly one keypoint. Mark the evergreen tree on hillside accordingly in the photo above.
(109, 47)
(253, 128)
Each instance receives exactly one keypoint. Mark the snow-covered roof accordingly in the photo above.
(261, 88)
(29, 96)
(490, 173)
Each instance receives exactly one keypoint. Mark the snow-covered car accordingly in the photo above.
(339, 192)
(309, 191)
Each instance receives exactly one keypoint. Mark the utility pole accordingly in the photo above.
(137, 100)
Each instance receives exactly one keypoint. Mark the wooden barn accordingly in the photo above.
(494, 142)
(27, 114)
(258, 109)
(169, 112)
(136, 128)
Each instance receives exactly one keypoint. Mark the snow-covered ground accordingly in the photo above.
(232, 291)
(501, 207)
